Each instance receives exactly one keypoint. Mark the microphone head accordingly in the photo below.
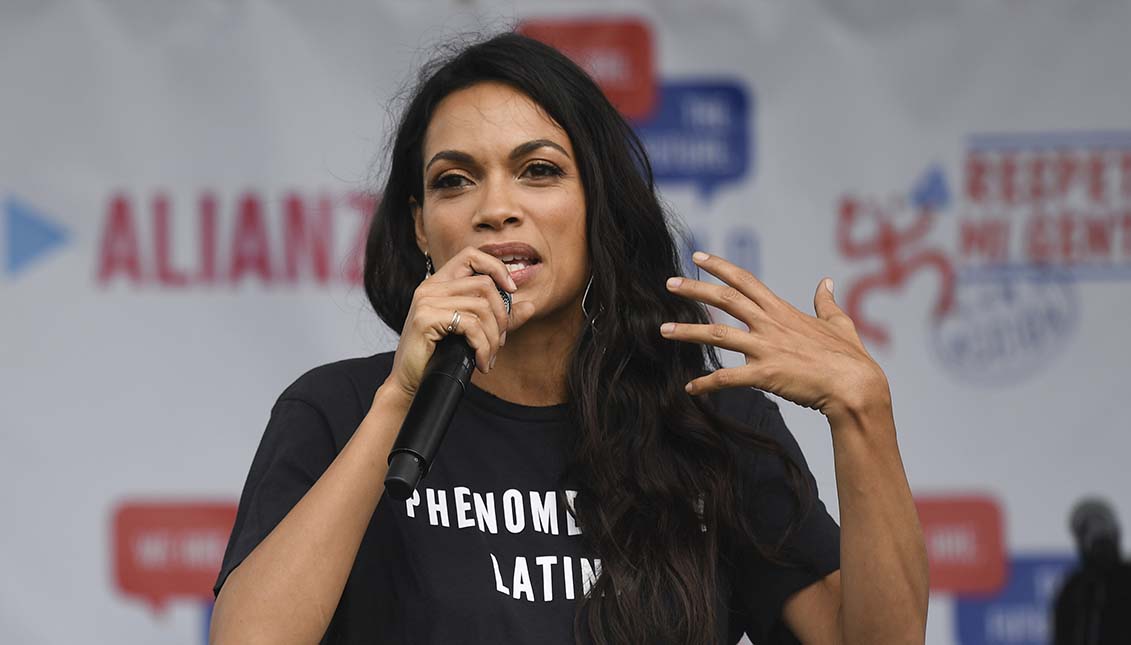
(1096, 530)
(506, 299)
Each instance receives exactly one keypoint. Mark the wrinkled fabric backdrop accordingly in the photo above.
(183, 187)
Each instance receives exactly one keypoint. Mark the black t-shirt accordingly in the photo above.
(486, 552)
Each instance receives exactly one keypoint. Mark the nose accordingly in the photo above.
(498, 206)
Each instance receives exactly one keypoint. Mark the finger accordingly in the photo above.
(719, 335)
(487, 310)
(724, 378)
(479, 340)
(482, 285)
(737, 277)
(520, 313)
(726, 298)
(471, 261)
(476, 323)
(826, 308)
(823, 304)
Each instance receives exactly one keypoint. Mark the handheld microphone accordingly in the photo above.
(442, 386)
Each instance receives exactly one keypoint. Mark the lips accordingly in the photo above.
(522, 260)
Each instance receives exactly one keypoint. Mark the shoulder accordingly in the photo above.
(341, 391)
(356, 378)
(789, 541)
(754, 409)
(770, 464)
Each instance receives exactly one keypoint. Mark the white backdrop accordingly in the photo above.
(182, 185)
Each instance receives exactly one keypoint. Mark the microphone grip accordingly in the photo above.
(441, 387)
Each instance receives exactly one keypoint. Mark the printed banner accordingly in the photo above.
(184, 191)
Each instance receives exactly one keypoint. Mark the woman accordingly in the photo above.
(597, 483)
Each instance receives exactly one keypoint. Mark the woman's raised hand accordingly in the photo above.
(465, 283)
(818, 362)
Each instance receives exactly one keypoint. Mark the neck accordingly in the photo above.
(531, 368)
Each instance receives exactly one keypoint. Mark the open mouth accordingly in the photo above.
(518, 263)
(521, 259)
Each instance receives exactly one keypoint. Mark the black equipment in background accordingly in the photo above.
(1093, 606)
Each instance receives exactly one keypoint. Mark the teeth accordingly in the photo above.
(515, 267)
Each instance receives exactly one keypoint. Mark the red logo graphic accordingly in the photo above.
(965, 546)
(900, 260)
(166, 550)
(616, 53)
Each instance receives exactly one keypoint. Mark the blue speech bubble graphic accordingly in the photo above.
(1021, 613)
(743, 249)
(740, 246)
(693, 241)
(700, 133)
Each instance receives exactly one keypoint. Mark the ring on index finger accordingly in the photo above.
(454, 323)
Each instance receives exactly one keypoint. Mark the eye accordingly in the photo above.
(449, 180)
(542, 170)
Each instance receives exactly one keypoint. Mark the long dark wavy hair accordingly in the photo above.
(651, 464)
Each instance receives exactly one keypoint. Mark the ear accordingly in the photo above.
(418, 224)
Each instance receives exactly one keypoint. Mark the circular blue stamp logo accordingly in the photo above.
(1004, 328)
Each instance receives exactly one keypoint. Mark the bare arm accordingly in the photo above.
(880, 594)
(288, 587)
(883, 578)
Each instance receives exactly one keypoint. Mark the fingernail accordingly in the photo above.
(511, 284)
(667, 328)
(687, 388)
(829, 284)
(674, 282)
(503, 339)
(492, 363)
(699, 256)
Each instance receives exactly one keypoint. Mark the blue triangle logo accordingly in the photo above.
(30, 235)
(931, 193)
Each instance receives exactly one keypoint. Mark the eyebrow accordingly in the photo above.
(520, 150)
(524, 149)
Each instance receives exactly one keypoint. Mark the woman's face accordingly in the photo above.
(498, 170)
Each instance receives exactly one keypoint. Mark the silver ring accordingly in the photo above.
(455, 321)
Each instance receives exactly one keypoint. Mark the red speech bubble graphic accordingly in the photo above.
(170, 549)
(616, 53)
(964, 543)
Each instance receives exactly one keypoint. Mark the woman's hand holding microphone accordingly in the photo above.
(468, 283)
(319, 538)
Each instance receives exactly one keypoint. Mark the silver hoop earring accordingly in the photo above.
(592, 321)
